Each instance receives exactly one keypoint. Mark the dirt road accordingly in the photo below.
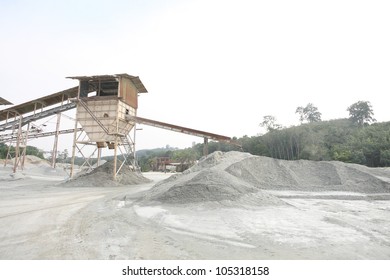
(40, 220)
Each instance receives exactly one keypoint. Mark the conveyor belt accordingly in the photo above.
(185, 130)
(13, 136)
(37, 116)
(34, 105)
(4, 101)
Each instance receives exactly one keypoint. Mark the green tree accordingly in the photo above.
(3, 150)
(309, 113)
(361, 113)
(269, 122)
(188, 156)
(31, 150)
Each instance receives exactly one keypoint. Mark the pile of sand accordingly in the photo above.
(34, 160)
(304, 175)
(30, 161)
(208, 181)
(102, 177)
(37, 166)
(207, 185)
(235, 176)
(33, 167)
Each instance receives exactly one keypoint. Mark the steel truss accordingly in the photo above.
(15, 119)
(17, 145)
(123, 146)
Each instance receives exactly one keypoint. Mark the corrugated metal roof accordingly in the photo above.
(45, 101)
(4, 102)
(135, 79)
(94, 78)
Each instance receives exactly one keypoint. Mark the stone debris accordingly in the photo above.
(102, 177)
(234, 176)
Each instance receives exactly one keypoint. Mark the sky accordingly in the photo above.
(212, 65)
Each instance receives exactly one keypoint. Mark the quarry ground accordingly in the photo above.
(40, 219)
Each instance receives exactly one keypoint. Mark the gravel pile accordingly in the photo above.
(208, 181)
(304, 175)
(102, 177)
(236, 176)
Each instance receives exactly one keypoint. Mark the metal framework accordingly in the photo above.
(103, 118)
(102, 121)
(181, 129)
(4, 101)
(16, 117)
(123, 146)
(33, 134)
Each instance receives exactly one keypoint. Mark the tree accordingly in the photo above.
(269, 122)
(63, 156)
(309, 113)
(3, 150)
(31, 150)
(361, 113)
(188, 155)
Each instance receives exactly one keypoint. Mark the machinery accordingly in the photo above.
(106, 117)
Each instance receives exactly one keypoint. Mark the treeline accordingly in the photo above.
(358, 139)
(147, 158)
(338, 140)
(30, 150)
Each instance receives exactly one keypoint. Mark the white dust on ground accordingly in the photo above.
(102, 176)
(228, 206)
(239, 206)
(34, 168)
(235, 176)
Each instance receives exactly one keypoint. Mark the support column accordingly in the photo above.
(55, 145)
(205, 146)
(25, 140)
(99, 155)
(10, 144)
(134, 152)
(17, 152)
(115, 156)
(73, 147)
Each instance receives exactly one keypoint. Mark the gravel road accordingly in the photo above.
(40, 219)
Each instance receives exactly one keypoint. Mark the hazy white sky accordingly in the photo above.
(218, 66)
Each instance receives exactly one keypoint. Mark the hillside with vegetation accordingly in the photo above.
(337, 139)
(357, 139)
(30, 150)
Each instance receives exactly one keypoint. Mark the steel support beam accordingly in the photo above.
(55, 144)
(37, 116)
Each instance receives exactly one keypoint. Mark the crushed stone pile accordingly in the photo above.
(102, 177)
(30, 161)
(34, 160)
(236, 176)
(305, 175)
(37, 166)
(208, 184)
(34, 166)
(208, 181)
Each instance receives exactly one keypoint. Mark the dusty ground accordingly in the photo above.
(40, 219)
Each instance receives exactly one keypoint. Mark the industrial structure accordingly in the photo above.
(106, 118)
(106, 106)
(4, 102)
